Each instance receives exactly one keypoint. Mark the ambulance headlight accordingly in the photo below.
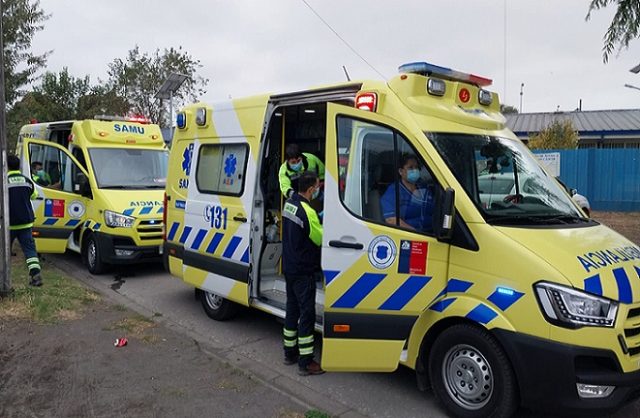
(118, 220)
(571, 308)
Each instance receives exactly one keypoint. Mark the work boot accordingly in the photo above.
(312, 368)
(290, 360)
(36, 280)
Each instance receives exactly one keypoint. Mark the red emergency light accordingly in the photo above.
(367, 101)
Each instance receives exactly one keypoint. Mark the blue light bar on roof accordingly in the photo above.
(426, 69)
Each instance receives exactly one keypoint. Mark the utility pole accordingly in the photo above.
(521, 87)
(5, 251)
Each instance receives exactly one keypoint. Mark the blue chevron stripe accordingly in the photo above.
(96, 226)
(160, 210)
(215, 241)
(198, 240)
(185, 234)
(482, 313)
(593, 285)
(146, 210)
(50, 221)
(625, 295)
(359, 290)
(128, 211)
(245, 256)
(405, 293)
(329, 275)
(172, 231)
(503, 297)
(72, 222)
(231, 248)
(441, 305)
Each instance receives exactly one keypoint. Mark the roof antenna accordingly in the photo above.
(346, 73)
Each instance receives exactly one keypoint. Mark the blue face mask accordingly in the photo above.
(413, 175)
(296, 167)
(315, 194)
(40, 173)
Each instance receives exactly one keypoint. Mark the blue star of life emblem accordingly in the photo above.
(230, 165)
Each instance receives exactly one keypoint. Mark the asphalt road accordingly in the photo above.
(252, 341)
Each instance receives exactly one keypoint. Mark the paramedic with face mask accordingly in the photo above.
(296, 163)
(416, 200)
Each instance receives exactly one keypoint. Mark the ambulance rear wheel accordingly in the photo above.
(216, 307)
(471, 375)
(92, 256)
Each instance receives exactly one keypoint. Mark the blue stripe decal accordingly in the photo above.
(637, 271)
(96, 226)
(160, 210)
(442, 304)
(172, 231)
(185, 234)
(231, 248)
(128, 212)
(215, 241)
(198, 240)
(86, 224)
(146, 210)
(360, 289)
(504, 297)
(482, 313)
(50, 221)
(593, 285)
(329, 275)
(624, 287)
(405, 293)
(455, 286)
(72, 222)
(245, 256)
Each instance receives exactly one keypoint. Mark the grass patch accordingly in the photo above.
(136, 326)
(314, 413)
(60, 298)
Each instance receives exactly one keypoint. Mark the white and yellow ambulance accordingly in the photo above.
(494, 302)
(100, 184)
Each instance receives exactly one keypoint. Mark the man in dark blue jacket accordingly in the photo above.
(301, 241)
(21, 217)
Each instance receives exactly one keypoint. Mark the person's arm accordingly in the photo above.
(34, 191)
(285, 181)
(320, 165)
(315, 227)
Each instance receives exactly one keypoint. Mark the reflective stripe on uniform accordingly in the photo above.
(290, 333)
(305, 345)
(33, 263)
(293, 218)
(290, 337)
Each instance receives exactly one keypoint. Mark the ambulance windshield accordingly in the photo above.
(505, 181)
(126, 168)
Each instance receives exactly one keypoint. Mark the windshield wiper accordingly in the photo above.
(569, 218)
(537, 219)
(114, 186)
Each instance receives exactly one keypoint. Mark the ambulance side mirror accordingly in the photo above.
(445, 212)
(81, 185)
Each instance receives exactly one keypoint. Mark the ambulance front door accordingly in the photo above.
(381, 270)
(60, 207)
(216, 233)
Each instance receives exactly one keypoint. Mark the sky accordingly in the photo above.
(278, 46)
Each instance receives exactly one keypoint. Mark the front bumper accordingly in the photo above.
(548, 372)
(108, 244)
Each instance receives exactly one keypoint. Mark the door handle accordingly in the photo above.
(239, 218)
(342, 244)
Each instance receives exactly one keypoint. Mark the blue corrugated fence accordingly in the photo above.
(609, 178)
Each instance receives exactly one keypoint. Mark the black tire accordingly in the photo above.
(217, 307)
(92, 256)
(462, 356)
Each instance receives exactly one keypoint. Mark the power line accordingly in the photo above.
(342, 39)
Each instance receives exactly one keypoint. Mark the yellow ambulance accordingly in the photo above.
(495, 298)
(100, 184)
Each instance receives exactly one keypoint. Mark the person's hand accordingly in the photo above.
(290, 193)
(513, 198)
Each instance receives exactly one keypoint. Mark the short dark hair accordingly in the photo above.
(306, 180)
(292, 151)
(405, 158)
(35, 163)
(13, 162)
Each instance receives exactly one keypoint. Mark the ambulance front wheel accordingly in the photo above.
(216, 307)
(471, 375)
(92, 256)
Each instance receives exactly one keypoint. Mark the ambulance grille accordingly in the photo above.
(632, 331)
(150, 229)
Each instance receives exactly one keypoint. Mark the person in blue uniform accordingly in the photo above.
(416, 200)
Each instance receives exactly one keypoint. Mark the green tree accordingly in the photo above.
(560, 134)
(508, 110)
(139, 77)
(624, 27)
(61, 96)
(21, 20)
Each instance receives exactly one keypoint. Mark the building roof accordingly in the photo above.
(585, 122)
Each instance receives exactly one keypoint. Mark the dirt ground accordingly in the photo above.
(72, 369)
(626, 223)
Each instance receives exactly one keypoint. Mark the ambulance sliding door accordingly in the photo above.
(379, 276)
(60, 207)
(217, 217)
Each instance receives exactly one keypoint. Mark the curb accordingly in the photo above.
(293, 389)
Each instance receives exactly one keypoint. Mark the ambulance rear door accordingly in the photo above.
(379, 277)
(63, 194)
(216, 230)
